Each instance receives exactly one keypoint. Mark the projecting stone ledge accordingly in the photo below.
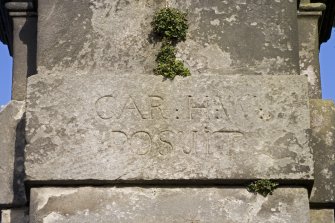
(165, 205)
(323, 144)
(12, 141)
(113, 127)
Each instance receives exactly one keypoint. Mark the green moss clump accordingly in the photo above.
(166, 54)
(263, 187)
(171, 26)
(167, 64)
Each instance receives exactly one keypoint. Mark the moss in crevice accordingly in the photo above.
(263, 187)
(171, 26)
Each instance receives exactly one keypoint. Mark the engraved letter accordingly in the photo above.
(163, 137)
(115, 140)
(141, 142)
(131, 106)
(156, 103)
(224, 109)
(188, 149)
(194, 140)
(104, 107)
(197, 108)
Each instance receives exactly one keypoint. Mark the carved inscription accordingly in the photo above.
(146, 128)
(167, 141)
(155, 107)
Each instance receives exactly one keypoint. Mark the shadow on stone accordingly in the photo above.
(18, 171)
(28, 35)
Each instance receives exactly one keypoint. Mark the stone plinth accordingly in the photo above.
(138, 127)
(179, 205)
(225, 37)
(12, 143)
(323, 144)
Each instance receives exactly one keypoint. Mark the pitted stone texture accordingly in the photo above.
(309, 51)
(179, 205)
(323, 144)
(225, 37)
(11, 154)
(322, 216)
(106, 127)
(14, 216)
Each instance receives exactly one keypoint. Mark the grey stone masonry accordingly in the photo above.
(225, 37)
(322, 216)
(97, 112)
(92, 135)
(11, 154)
(165, 205)
(14, 216)
(323, 144)
(138, 127)
(308, 21)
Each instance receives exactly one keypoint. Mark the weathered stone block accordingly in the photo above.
(14, 216)
(12, 142)
(322, 216)
(309, 50)
(323, 144)
(225, 37)
(179, 205)
(111, 127)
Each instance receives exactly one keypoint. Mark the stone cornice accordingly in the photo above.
(5, 26)
(327, 20)
(13, 8)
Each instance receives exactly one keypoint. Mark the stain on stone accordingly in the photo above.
(152, 205)
(266, 44)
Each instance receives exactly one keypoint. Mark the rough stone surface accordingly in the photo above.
(110, 127)
(96, 111)
(225, 37)
(309, 51)
(14, 216)
(322, 216)
(323, 144)
(179, 205)
(11, 154)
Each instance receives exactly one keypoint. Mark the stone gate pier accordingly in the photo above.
(93, 135)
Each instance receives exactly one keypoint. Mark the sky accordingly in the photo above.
(6, 62)
(327, 65)
(327, 62)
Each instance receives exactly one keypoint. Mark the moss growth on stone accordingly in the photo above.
(171, 26)
(168, 65)
(263, 187)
